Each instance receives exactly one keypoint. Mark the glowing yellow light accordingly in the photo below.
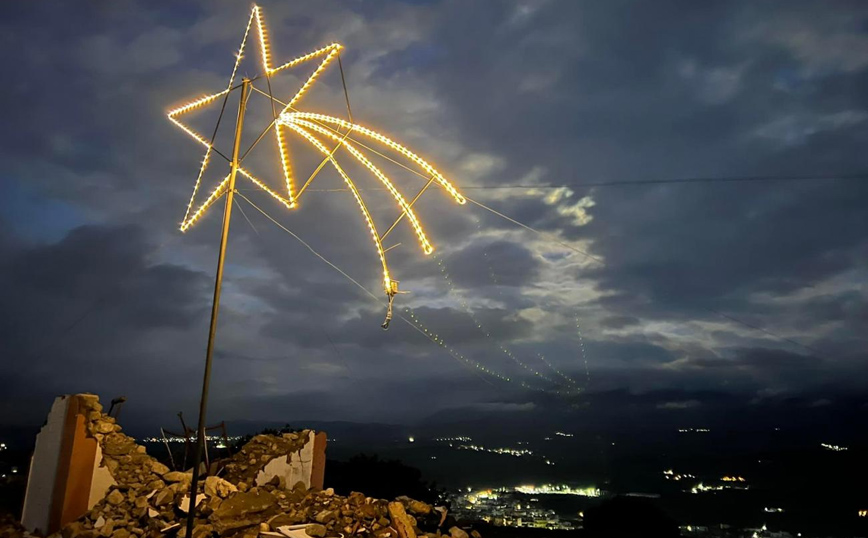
(329, 52)
(263, 186)
(411, 215)
(304, 124)
(288, 117)
(387, 281)
(192, 106)
(215, 194)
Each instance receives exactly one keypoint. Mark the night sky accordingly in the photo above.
(736, 291)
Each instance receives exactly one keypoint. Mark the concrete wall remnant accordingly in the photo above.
(307, 465)
(66, 478)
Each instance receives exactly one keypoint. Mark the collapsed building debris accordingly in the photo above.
(252, 498)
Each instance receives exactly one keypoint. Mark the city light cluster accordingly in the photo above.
(834, 448)
(562, 434)
(192, 439)
(693, 430)
(702, 488)
(559, 489)
(460, 439)
(506, 506)
(669, 474)
(517, 452)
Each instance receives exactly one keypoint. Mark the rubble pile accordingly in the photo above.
(243, 467)
(11, 528)
(149, 500)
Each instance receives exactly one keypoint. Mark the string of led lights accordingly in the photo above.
(306, 125)
(291, 117)
(414, 320)
(492, 276)
(556, 239)
(584, 356)
(566, 378)
(437, 339)
(444, 272)
(173, 114)
(411, 215)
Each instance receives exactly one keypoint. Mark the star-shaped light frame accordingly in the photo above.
(308, 125)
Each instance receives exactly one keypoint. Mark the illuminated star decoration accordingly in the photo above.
(314, 129)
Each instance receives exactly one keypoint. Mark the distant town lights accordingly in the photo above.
(559, 489)
(669, 474)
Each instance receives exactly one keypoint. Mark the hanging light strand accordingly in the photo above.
(479, 326)
(436, 338)
(413, 320)
(492, 276)
(427, 248)
(584, 356)
(387, 281)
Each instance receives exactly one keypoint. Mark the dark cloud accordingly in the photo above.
(619, 322)
(500, 263)
(741, 290)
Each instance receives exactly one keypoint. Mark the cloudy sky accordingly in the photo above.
(754, 289)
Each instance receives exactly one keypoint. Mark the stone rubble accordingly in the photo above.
(149, 500)
(245, 466)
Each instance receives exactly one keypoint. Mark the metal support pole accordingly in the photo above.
(215, 307)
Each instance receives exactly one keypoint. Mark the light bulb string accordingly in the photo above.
(415, 323)
(492, 277)
(506, 351)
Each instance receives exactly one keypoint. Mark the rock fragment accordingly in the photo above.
(316, 530)
(216, 486)
(456, 532)
(401, 521)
